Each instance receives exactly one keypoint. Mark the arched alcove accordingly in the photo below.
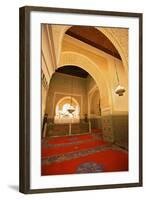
(74, 58)
(95, 108)
(95, 104)
(62, 114)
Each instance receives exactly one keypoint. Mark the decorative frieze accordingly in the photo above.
(44, 80)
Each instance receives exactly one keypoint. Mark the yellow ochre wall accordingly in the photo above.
(59, 49)
(62, 85)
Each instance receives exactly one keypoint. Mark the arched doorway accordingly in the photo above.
(62, 114)
(95, 109)
(69, 86)
(75, 58)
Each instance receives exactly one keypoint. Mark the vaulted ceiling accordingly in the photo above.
(90, 36)
(73, 71)
(93, 37)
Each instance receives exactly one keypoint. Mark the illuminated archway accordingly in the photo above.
(77, 59)
(62, 114)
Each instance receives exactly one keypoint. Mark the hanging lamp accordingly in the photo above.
(119, 89)
(71, 109)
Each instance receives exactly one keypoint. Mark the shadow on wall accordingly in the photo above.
(120, 128)
(115, 129)
(96, 122)
(14, 187)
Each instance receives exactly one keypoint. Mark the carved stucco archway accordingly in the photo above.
(112, 36)
(60, 103)
(58, 34)
(74, 58)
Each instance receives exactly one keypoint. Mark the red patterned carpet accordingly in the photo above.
(81, 154)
